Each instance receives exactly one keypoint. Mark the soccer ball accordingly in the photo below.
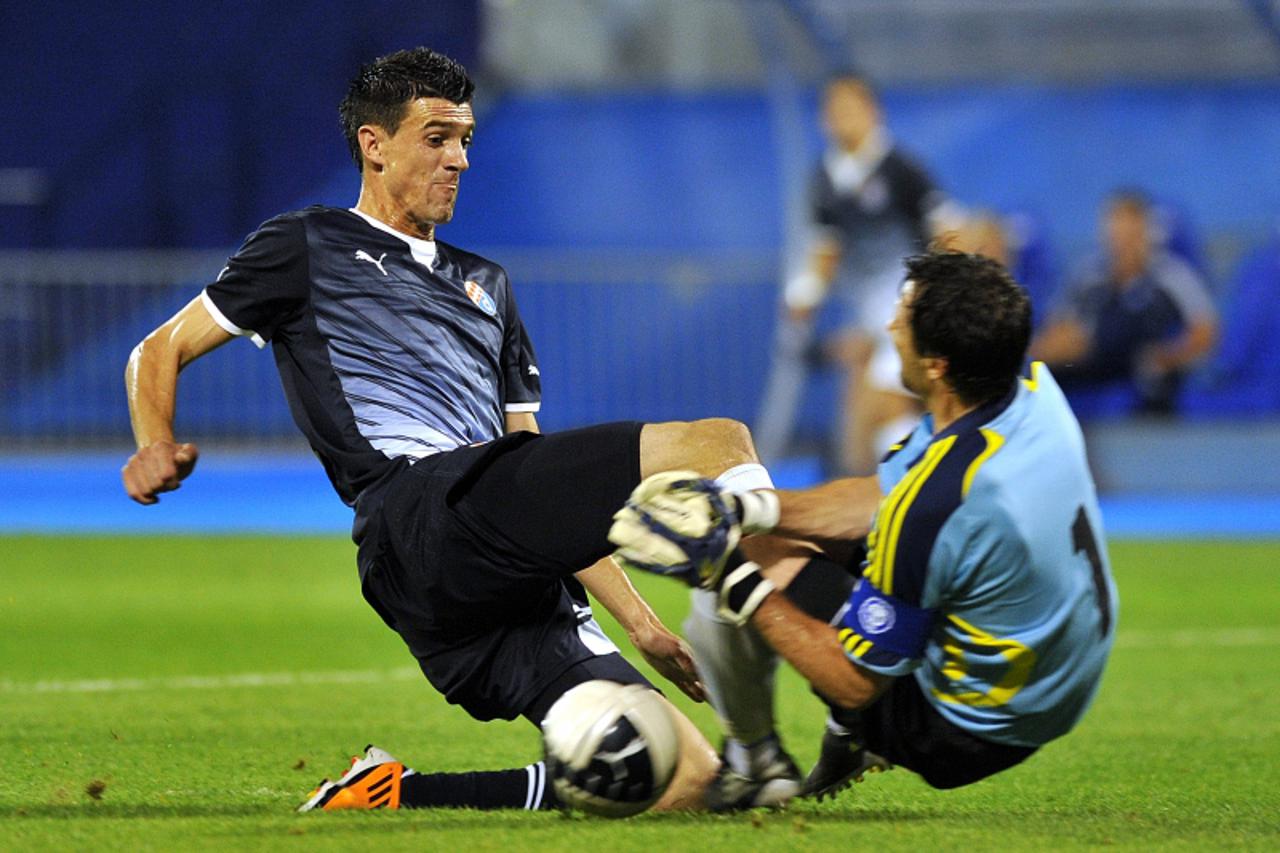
(610, 748)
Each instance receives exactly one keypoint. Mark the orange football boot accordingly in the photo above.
(371, 782)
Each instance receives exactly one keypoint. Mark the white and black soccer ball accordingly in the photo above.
(611, 749)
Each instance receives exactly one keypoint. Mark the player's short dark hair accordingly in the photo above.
(969, 310)
(381, 92)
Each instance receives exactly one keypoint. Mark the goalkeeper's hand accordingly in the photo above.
(677, 523)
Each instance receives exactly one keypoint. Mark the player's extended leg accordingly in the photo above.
(378, 780)
(737, 666)
(491, 531)
(695, 770)
(711, 447)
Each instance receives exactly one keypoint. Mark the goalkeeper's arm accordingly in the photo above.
(841, 510)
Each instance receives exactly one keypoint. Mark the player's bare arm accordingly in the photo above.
(806, 292)
(839, 510)
(151, 382)
(664, 651)
(812, 647)
(521, 421)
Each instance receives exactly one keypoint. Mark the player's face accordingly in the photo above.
(913, 370)
(425, 157)
(1128, 239)
(850, 113)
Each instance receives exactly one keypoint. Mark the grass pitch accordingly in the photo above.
(188, 692)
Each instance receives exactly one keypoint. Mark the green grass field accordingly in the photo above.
(188, 692)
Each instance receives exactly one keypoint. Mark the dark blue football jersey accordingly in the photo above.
(390, 348)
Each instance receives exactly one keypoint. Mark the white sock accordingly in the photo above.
(737, 667)
(751, 759)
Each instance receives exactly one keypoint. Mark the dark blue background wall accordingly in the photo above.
(180, 124)
(189, 125)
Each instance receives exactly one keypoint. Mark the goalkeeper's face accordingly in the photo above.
(914, 373)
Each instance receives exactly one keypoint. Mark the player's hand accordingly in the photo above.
(678, 524)
(670, 656)
(156, 468)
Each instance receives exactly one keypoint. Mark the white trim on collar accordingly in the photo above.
(849, 170)
(423, 251)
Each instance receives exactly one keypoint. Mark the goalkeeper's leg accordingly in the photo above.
(738, 666)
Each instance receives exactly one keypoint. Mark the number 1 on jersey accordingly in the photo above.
(1082, 539)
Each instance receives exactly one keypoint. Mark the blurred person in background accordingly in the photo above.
(1140, 317)
(870, 205)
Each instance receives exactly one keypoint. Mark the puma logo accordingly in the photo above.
(362, 255)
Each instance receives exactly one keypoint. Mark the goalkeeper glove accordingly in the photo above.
(680, 525)
(676, 523)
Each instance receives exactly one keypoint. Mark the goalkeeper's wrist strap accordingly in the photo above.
(741, 592)
(759, 511)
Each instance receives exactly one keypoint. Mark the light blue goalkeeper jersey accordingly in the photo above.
(987, 577)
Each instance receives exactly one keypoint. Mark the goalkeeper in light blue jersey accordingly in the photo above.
(985, 611)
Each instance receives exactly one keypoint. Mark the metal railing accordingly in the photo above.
(618, 335)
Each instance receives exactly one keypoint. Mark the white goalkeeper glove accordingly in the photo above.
(678, 524)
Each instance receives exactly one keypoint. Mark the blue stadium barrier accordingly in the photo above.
(289, 495)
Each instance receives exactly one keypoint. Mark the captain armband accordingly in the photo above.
(876, 620)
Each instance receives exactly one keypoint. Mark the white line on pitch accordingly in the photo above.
(1187, 638)
(213, 682)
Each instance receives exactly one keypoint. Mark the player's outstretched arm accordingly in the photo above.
(664, 651)
(151, 384)
(841, 510)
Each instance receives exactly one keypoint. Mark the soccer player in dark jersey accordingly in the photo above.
(407, 368)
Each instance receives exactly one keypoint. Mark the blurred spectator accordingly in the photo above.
(1142, 317)
(869, 205)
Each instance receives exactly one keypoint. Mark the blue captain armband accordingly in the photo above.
(875, 623)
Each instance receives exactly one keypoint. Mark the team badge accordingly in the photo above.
(482, 300)
(876, 615)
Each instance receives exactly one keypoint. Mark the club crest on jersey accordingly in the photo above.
(482, 300)
(876, 615)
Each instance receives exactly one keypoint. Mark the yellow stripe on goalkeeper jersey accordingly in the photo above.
(1021, 659)
(994, 442)
(894, 512)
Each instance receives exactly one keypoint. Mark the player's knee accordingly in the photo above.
(732, 436)
(708, 446)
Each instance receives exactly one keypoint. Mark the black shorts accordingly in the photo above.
(612, 667)
(905, 728)
(473, 560)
